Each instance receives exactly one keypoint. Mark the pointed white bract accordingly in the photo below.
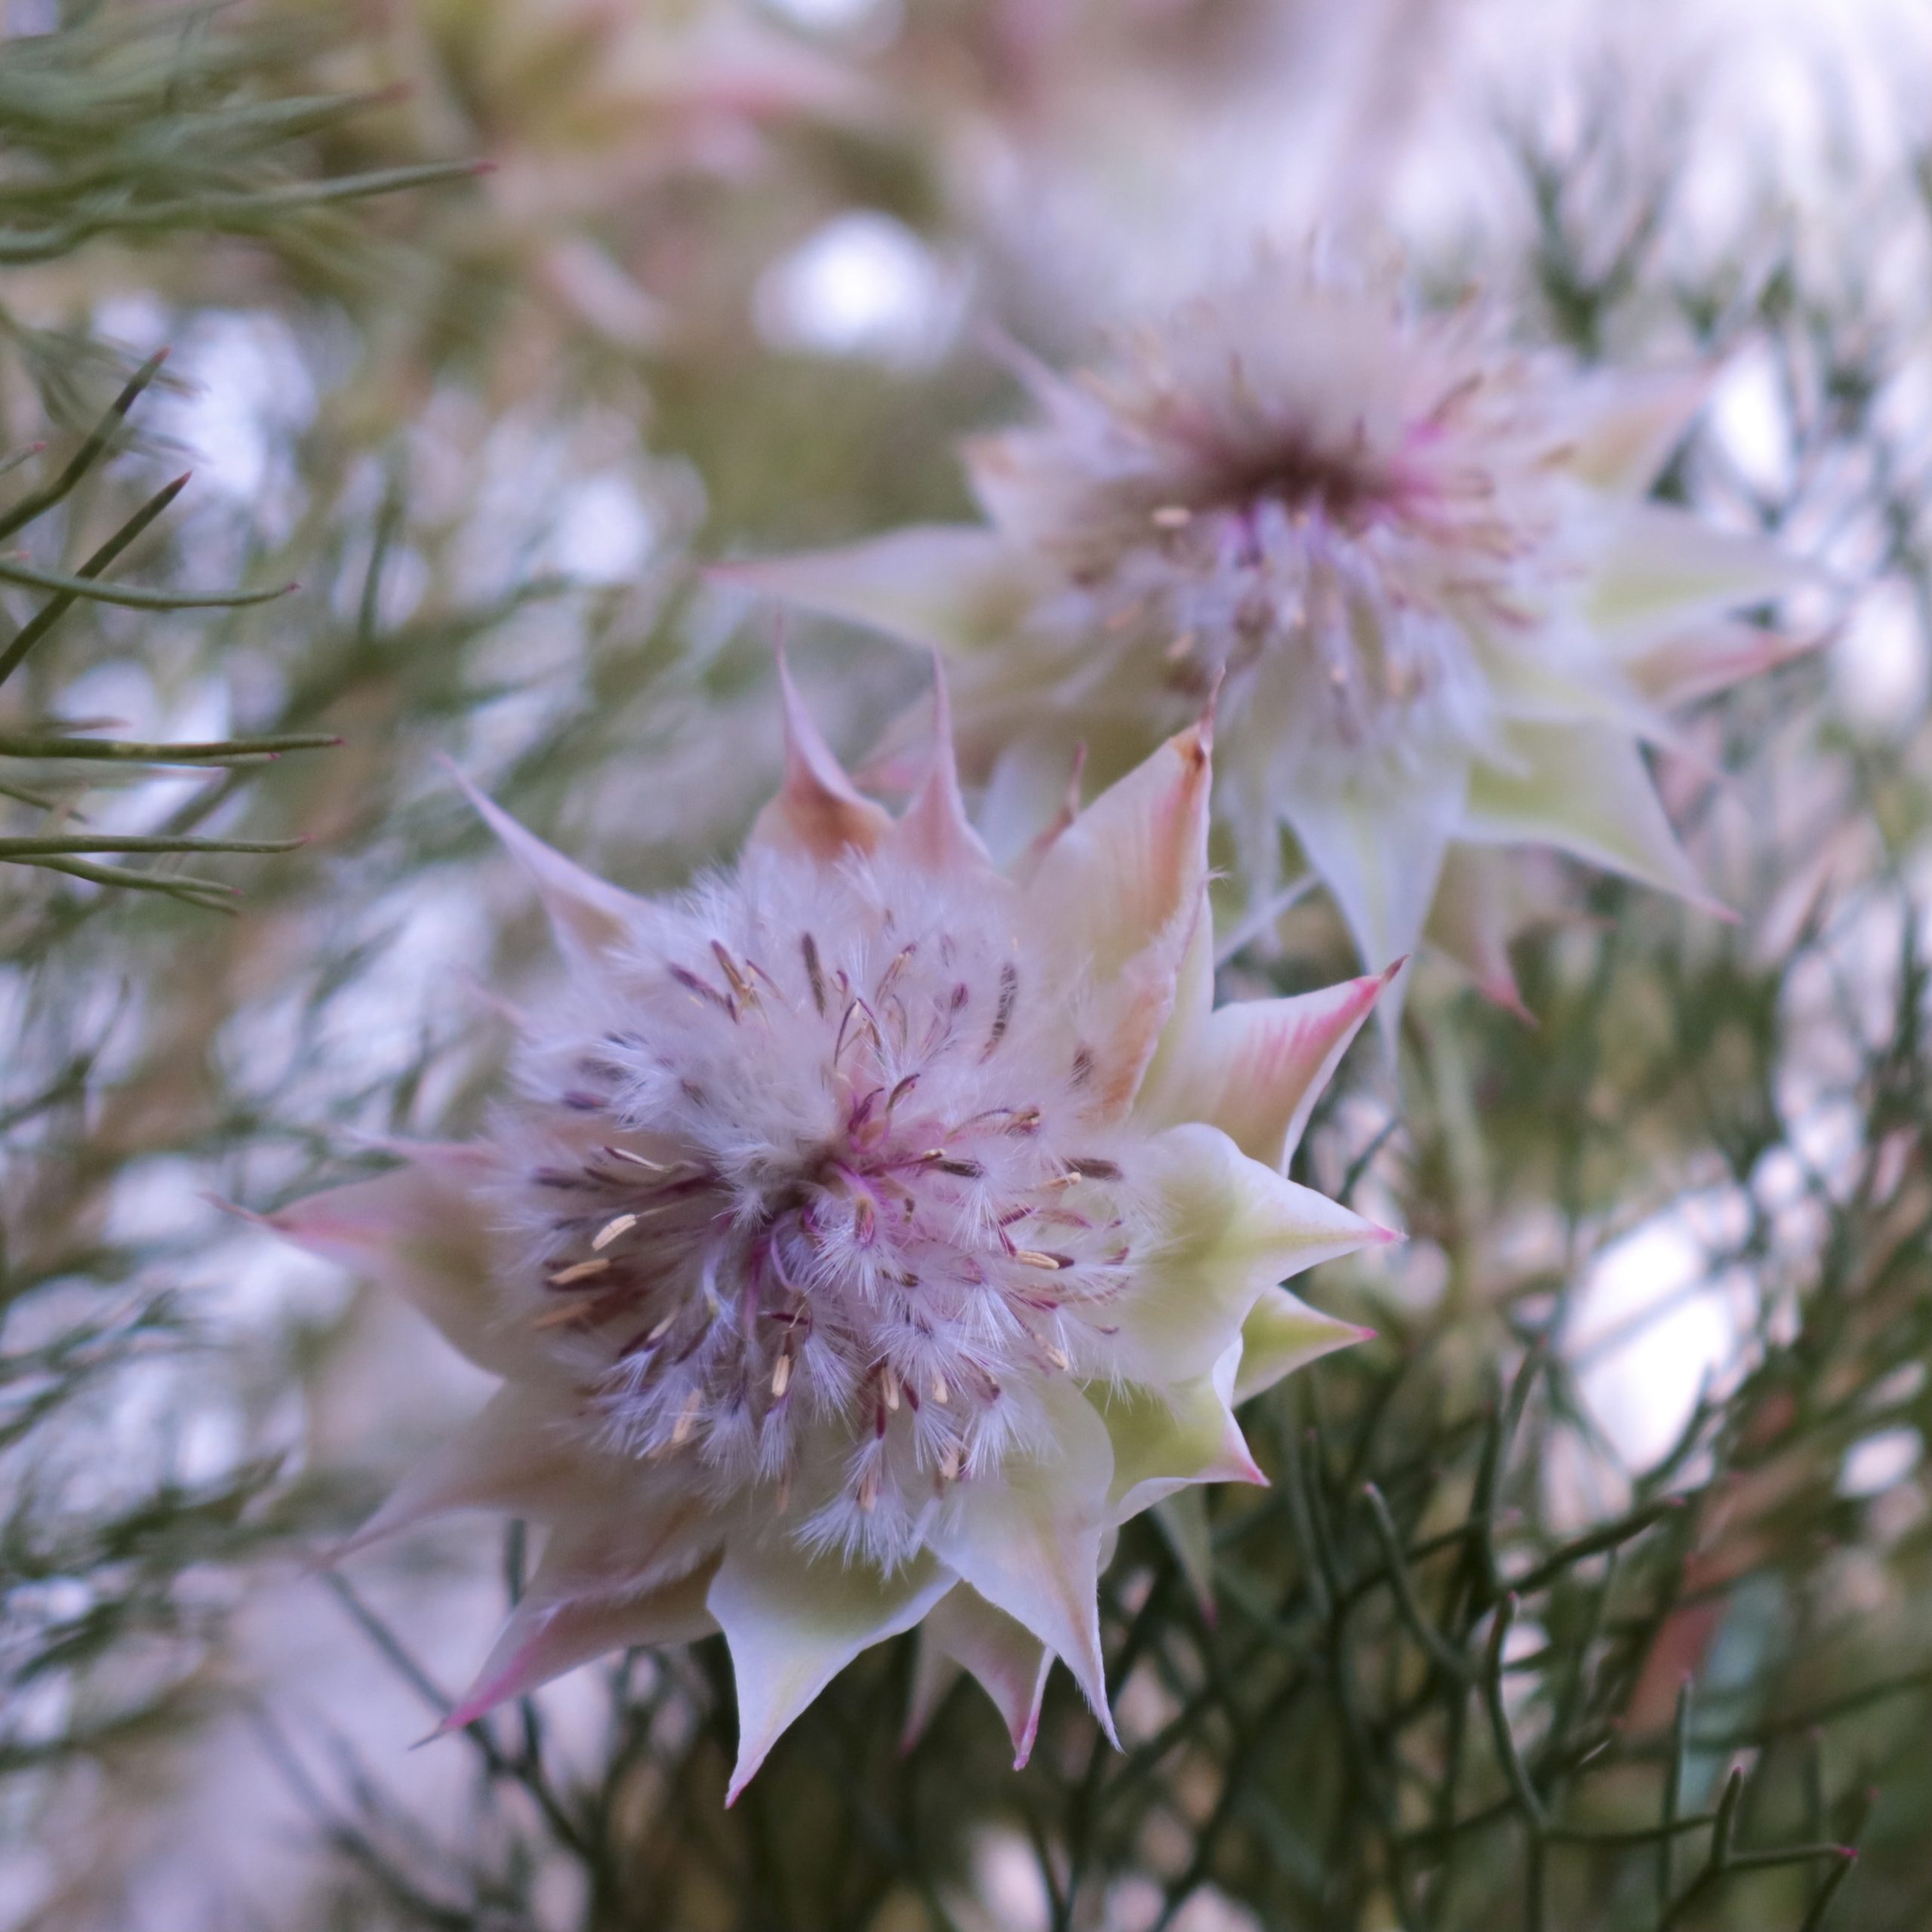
(1413, 560)
(871, 1232)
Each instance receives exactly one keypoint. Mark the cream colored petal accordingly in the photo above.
(793, 1622)
(934, 833)
(585, 912)
(1127, 1015)
(643, 1525)
(1166, 1439)
(1032, 796)
(1257, 1068)
(818, 813)
(1122, 891)
(512, 1455)
(952, 586)
(1171, 1073)
(1587, 791)
(1472, 920)
(963, 1632)
(1028, 1539)
(1283, 1334)
(422, 1231)
(1130, 870)
(1226, 1228)
(1664, 568)
(1564, 676)
(1632, 423)
(1710, 657)
(1378, 844)
(546, 1637)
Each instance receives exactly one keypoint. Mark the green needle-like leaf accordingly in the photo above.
(130, 596)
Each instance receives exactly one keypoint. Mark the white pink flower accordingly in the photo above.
(1421, 566)
(872, 1234)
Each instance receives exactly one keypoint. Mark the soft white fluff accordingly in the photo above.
(1303, 492)
(810, 1185)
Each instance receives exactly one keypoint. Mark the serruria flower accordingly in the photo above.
(1422, 568)
(871, 1235)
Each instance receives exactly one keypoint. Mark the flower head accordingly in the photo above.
(1416, 561)
(871, 1233)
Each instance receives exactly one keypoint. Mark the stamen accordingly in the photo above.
(704, 989)
(1089, 1169)
(813, 972)
(742, 987)
(637, 1160)
(1009, 994)
(569, 1311)
(890, 977)
(856, 1005)
(752, 966)
(693, 1246)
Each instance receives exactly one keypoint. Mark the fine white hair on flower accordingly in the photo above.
(1417, 559)
(845, 1199)
(869, 1234)
(1323, 510)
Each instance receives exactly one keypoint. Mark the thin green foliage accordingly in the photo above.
(170, 125)
(74, 853)
(140, 124)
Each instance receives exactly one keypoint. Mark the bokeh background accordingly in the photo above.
(732, 277)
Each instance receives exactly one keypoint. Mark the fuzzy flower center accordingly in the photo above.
(835, 1204)
(1303, 495)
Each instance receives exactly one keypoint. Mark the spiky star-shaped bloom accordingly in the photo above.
(1420, 565)
(873, 1234)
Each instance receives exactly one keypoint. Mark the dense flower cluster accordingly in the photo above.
(874, 1233)
(1420, 565)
